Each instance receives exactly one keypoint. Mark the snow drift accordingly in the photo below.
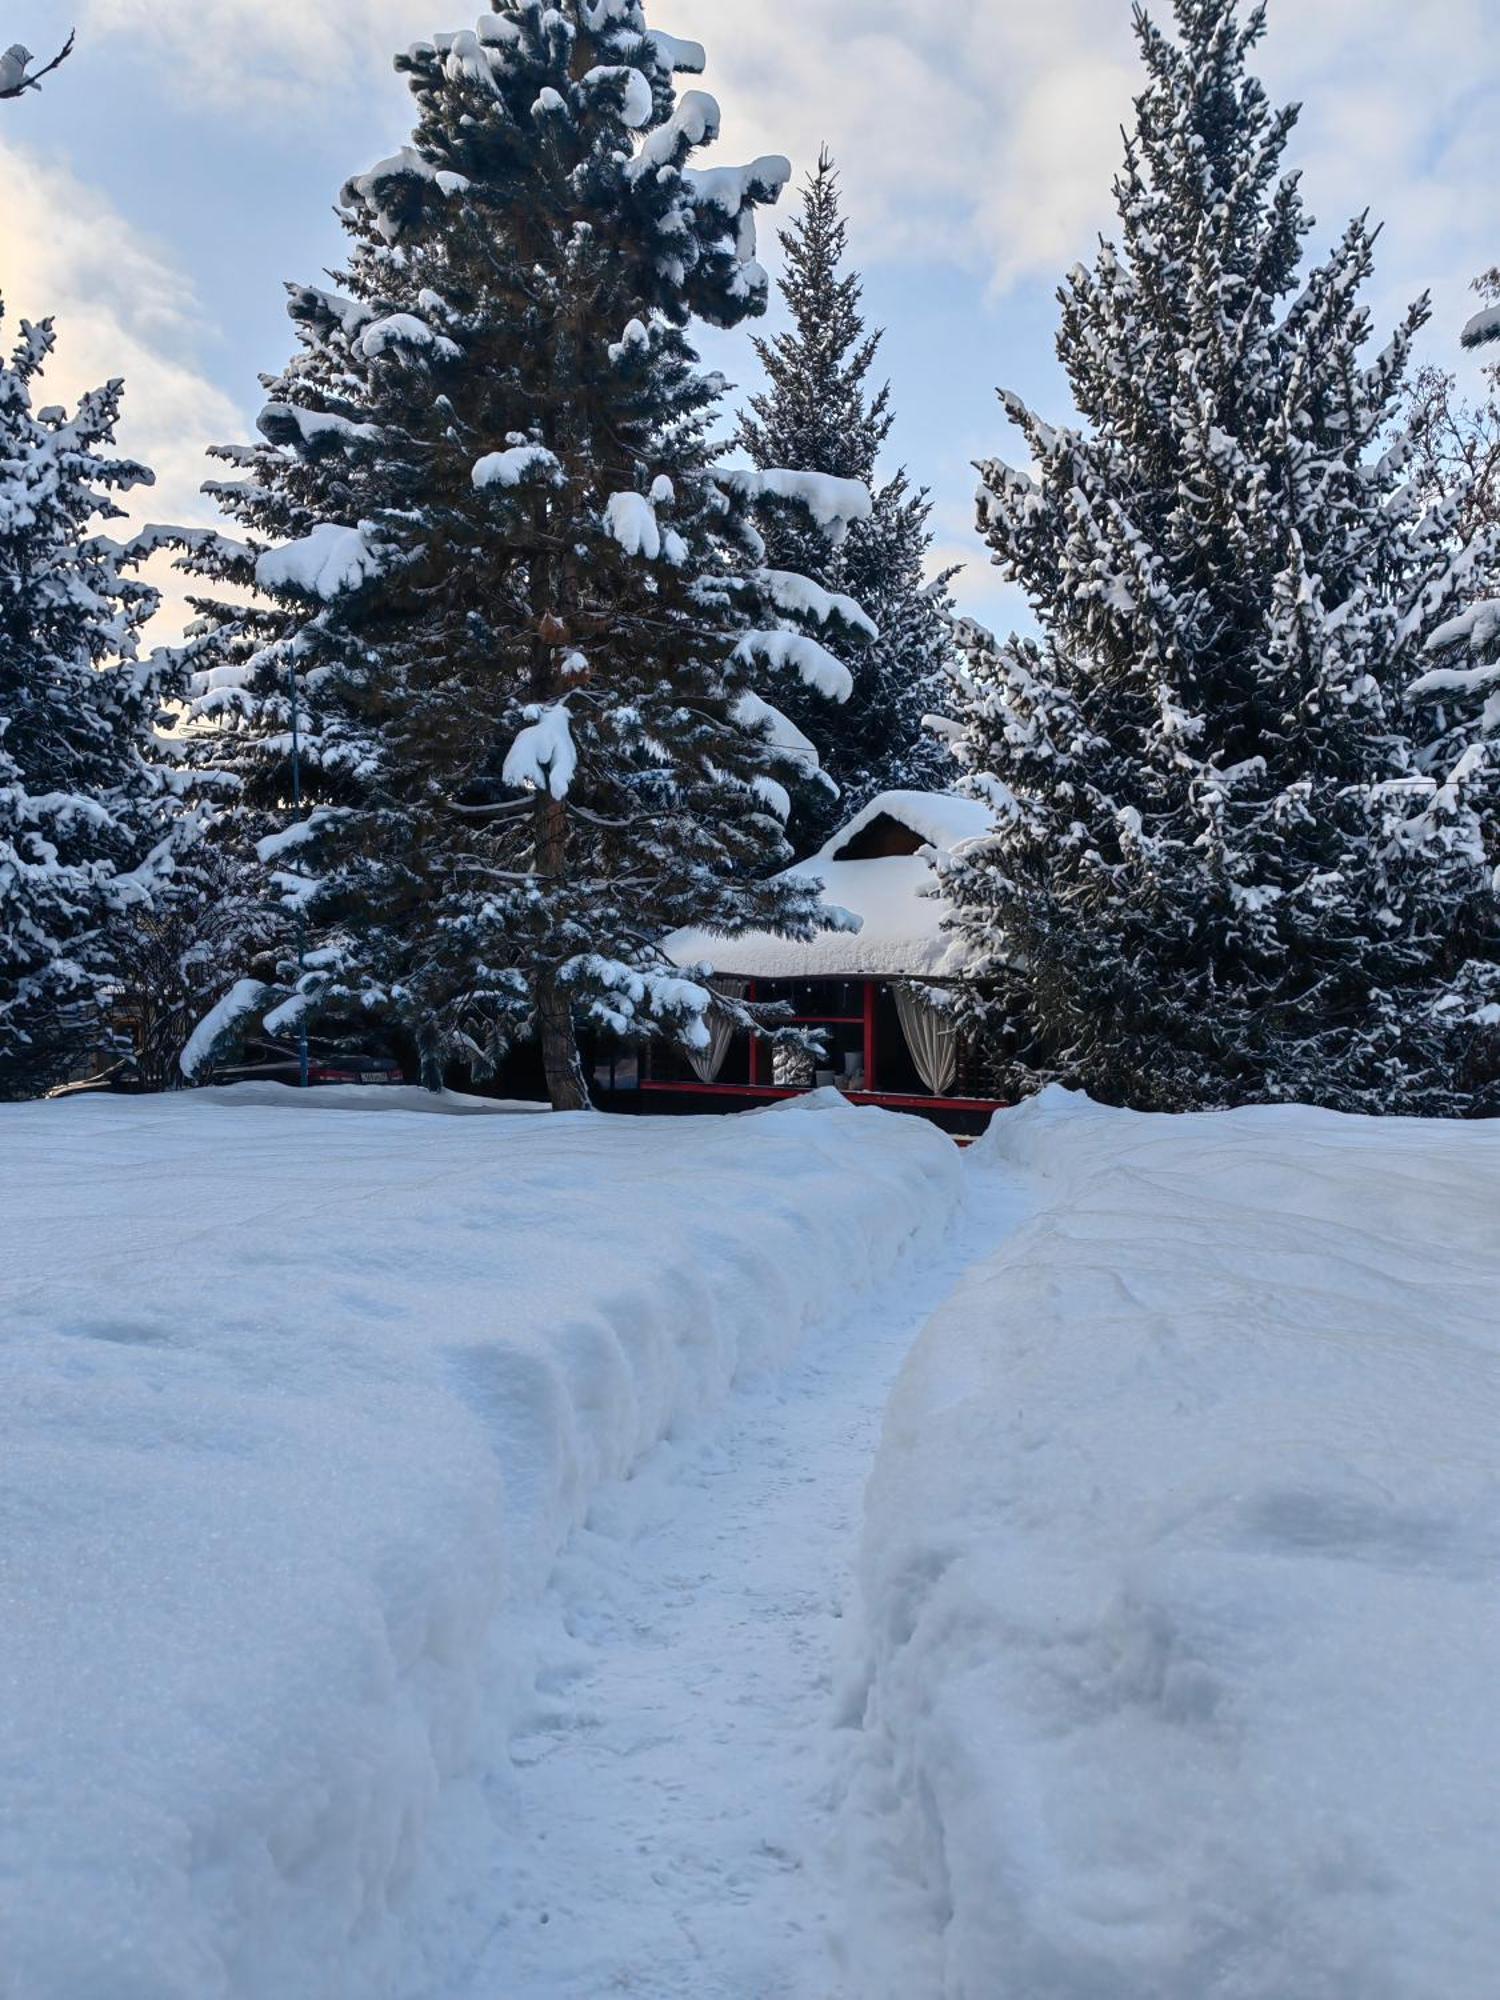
(300, 1406)
(1181, 1630)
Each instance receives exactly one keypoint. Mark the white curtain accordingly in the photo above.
(931, 1037)
(708, 1063)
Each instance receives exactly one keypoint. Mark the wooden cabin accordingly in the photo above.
(869, 989)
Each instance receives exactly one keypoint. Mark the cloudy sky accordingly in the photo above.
(184, 164)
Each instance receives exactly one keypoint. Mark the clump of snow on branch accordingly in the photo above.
(544, 757)
(242, 1001)
(329, 561)
(795, 652)
(799, 597)
(631, 519)
(517, 465)
(835, 504)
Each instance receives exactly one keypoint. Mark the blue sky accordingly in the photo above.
(184, 165)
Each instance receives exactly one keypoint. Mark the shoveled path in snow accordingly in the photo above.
(668, 1811)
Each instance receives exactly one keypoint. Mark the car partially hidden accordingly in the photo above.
(276, 1062)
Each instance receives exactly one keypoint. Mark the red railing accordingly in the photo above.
(887, 1101)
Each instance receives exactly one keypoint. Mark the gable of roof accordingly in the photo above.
(878, 868)
(937, 819)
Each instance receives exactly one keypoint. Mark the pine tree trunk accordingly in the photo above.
(566, 1084)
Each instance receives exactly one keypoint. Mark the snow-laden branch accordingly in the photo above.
(16, 74)
(836, 505)
(326, 563)
(631, 520)
(678, 57)
(518, 465)
(795, 652)
(237, 1005)
(799, 597)
(637, 100)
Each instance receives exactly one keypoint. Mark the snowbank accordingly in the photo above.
(1181, 1638)
(409, 1098)
(299, 1408)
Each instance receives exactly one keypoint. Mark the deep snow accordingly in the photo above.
(300, 1407)
(1181, 1625)
(396, 1604)
(669, 1813)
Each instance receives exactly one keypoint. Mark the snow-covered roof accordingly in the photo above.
(900, 921)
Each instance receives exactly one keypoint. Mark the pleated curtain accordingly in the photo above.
(931, 1038)
(708, 1063)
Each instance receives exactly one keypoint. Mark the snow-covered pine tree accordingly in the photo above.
(1459, 693)
(525, 617)
(818, 412)
(1223, 873)
(84, 803)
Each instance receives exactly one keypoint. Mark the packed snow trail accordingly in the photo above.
(668, 1813)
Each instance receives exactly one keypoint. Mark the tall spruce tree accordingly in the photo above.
(818, 412)
(1459, 693)
(85, 802)
(522, 632)
(1223, 873)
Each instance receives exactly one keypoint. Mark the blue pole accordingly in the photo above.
(303, 1065)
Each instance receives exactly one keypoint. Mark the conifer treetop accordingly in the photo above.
(601, 86)
(817, 405)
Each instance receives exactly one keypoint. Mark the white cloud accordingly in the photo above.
(268, 54)
(993, 137)
(122, 309)
(980, 133)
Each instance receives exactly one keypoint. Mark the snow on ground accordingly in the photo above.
(364, 1097)
(670, 1798)
(300, 1408)
(1181, 1629)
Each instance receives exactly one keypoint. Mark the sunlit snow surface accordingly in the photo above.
(1179, 1671)
(390, 1611)
(299, 1408)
